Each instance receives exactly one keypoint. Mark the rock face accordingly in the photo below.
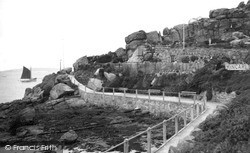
(80, 63)
(60, 90)
(69, 136)
(134, 44)
(218, 28)
(142, 53)
(27, 115)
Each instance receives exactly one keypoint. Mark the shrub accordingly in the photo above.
(193, 58)
(185, 59)
(228, 90)
(104, 58)
(209, 94)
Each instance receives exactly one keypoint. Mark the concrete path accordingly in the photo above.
(211, 107)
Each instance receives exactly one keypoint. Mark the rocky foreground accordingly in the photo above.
(53, 113)
(72, 122)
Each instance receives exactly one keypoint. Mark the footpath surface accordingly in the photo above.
(211, 107)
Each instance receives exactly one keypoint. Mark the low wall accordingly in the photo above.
(156, 67)
(156, 107)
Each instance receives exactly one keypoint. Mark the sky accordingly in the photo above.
(38, 33)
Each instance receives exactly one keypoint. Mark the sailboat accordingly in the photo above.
(26, 75)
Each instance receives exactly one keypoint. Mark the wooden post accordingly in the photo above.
(103, 92)
(179, 96)
(149, 140)
(113, 93)
(163, 95)
(164, 131)
(192, 112)
(185, 118)
(136, 94)
(194, 99)
(176, 124)
(197, 110)
(126, 146)
(149, 94)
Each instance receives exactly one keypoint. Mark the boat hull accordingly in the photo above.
(28, 80)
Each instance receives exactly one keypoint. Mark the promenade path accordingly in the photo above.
(211, 107)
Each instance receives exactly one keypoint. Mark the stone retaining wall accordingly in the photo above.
(156, 107)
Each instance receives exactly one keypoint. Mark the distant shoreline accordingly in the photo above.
(32, 68)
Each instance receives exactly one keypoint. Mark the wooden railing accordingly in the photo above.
(195, 111)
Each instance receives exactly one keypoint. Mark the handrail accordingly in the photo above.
(162, 123)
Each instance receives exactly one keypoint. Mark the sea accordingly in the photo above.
(11, 88)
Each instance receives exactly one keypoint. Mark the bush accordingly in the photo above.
(104, 58)
(193, 58)
(209, 94)
(228, 90)
(185, 59)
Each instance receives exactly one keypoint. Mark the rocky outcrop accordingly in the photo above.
(47, 84)
(80, 63)
(67, 70)
(217, 29)
(154, 37)
(60, 90)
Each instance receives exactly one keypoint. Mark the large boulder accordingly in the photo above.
(134, 44)
(95, 84)
(75, 102)
(154, 37)
(63, 78)
(47, 84)
(166, 31)
(120, 52)
(140, 35)
(109, 76)
(80, 63)
(219, 13)
(238, 35)
(60, 90)
(33, 94)
(69, 137)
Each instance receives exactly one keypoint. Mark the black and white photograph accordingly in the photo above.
(124, 76)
